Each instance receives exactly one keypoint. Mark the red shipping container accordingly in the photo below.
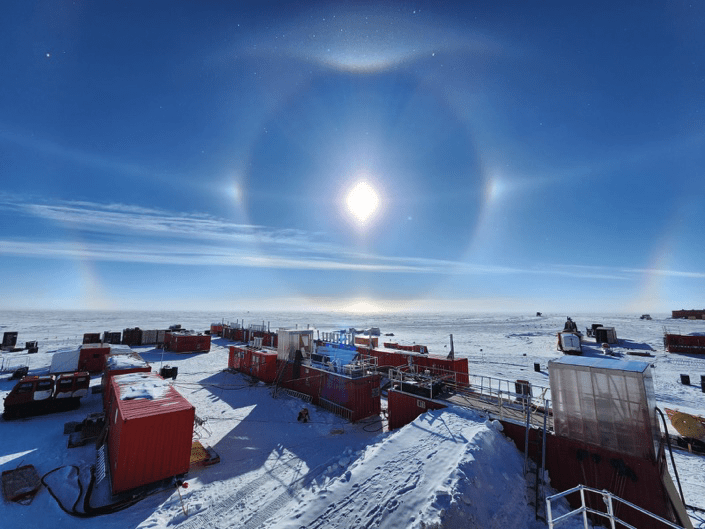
(91, 357)
(120, 364)
(259, 363)
(386, 358)
(403, 408)
(453, 370)
(369, 342)
(456, 369)
(359, 395)
(264, 365)
(91, 337)
(234, 357)
(149, 439)
(183, 342)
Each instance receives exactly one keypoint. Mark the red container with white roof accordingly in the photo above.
(259, 363)
(91, 357)
(150, 431)
(121, 364)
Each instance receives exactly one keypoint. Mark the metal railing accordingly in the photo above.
(12, 363)
(417, 377)
(610, 515)
(361, 366)
(332, 407)
(297, 394)
(509, 399)
(338, 337)
(504, 389)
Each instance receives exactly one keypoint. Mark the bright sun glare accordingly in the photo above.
(362, 201)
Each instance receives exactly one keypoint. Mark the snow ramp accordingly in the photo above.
(448, 468)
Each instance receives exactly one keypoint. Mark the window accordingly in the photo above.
(25, 388)
(44, 385)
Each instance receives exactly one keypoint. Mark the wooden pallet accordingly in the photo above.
(202, 456)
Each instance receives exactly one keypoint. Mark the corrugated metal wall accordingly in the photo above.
(92, 359)
(403, 408)
(148, 439)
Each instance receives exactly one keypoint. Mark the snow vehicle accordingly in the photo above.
(40, 394)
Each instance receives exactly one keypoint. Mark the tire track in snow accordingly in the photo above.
(229, 509)
(368, 503)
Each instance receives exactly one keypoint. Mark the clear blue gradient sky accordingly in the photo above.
(525, 155)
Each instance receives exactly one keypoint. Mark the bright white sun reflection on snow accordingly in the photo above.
(362, 201)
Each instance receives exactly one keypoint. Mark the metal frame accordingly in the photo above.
(332, 407)
(12, 363)
(608, 498)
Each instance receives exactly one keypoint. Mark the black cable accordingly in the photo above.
(673, 461)
(88, 511)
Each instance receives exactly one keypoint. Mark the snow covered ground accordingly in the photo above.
(449, 468)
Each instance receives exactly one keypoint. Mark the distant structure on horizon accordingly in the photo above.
(693, 314)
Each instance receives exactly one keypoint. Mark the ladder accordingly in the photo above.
(539, 472)
(280, 374)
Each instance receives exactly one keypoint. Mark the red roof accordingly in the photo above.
(168, 401)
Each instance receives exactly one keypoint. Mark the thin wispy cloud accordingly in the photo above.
(156, 236)
(84, 158)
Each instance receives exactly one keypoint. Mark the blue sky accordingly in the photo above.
(189, 155)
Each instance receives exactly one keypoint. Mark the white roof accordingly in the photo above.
(602, 363)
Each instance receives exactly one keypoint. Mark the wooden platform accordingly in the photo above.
(202, 456)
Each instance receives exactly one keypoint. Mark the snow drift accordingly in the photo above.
(429, 473)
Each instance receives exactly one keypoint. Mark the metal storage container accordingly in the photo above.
(184, 342)
(149, 337)
(91, 357)
(354, 398)
(112, 337)
(91, 337)
(606, 335)
(132, 336)
(9, 339)
(236, 356)
(120, 364)
(149, 439)
(259, 363)
(403, 408)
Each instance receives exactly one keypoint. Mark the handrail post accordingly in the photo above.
(526, 446)
(549, 514)
(607, 498)
(584, 507)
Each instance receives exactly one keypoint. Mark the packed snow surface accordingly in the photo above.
(141, 386)
(448, 468)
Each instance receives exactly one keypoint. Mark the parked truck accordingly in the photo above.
(40, 394)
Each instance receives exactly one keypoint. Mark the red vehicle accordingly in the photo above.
(40, 394)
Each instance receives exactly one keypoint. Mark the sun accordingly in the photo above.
(362, 201)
